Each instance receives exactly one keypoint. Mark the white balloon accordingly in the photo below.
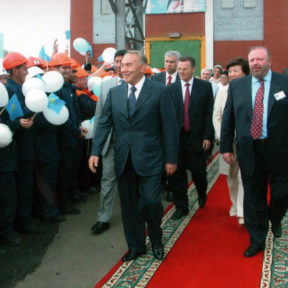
(107, 77)
(93, 81)
(5, 135)
(4, 97)
(33, 71)
(54, 81)
(36, 100)
(81, 45)
(89, 126)
(108, 55)
(54, 118)
(31, 84)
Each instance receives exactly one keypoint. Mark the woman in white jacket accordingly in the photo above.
(237, 67)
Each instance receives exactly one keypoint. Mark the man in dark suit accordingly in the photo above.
(257, 107)
(168, 77)
(170, 74)
(194, 105)
(143, 118)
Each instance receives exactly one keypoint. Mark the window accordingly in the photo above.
(249, 3)
(227, 4)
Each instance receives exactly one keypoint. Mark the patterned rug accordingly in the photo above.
(138, 273)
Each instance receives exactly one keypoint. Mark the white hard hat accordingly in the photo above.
(2, 71)
(33, 71)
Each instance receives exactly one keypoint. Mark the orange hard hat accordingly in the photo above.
(74, 64)
(81, 73)
(60, 59)
(148, 70)
(32, 61)
(13, 59)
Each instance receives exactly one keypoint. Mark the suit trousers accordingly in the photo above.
(257, 213)
(195, 162)
(46, 179)
(108, 192)
(8, 202)
(140, 198)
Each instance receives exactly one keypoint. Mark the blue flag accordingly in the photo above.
(100, 58)
(55, 103)
(43, 55)
(67, 34)
(14, 108)
(40, 77)
(90, 50)
(92, 120)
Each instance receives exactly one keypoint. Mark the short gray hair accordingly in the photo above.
(206, 69)
(142, 57)
(260, 47)
(173, 53)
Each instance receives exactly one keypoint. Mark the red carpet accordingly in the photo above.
(209, 253)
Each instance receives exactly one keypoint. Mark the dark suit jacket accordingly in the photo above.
(161, 77)
(24, 138)
(238, 115)
(200, 111)
(150, 135)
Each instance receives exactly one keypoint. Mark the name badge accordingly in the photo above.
(280, 95)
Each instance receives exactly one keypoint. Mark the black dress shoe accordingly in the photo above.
(131, 255)
(179, 213)
(202, 202)
(158, 251)
(100, 227)
(277, 230)
(169, 196)
(253, 250)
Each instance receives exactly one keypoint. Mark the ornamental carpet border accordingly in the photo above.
(138, 273)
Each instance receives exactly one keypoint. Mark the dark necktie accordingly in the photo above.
(132, 100)
(169, 80)
(257, 118)
(186, 124)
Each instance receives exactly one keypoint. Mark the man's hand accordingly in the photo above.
(93, 163)
(84, 131)
(206, 144)
(26, 123)
(170, 168)
(229, 158)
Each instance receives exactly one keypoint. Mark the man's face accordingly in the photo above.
(185, 70)
(3, 79)
(171, 64)
(117, 65)
(224, 79)
(131, 68)
(205, 75)
(259, 63)
(65, 70)
(217, 72)
(20, 73)
(81, 83)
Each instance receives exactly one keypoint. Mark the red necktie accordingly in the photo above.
(169, 80)
(257, 118)
(186, 124)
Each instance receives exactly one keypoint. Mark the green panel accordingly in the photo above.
(185, 47)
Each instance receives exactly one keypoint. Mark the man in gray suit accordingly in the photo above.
(142, 115)
(108, 181)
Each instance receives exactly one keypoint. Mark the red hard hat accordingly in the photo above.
(60, 59)
(14, 59)
(32, 61)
